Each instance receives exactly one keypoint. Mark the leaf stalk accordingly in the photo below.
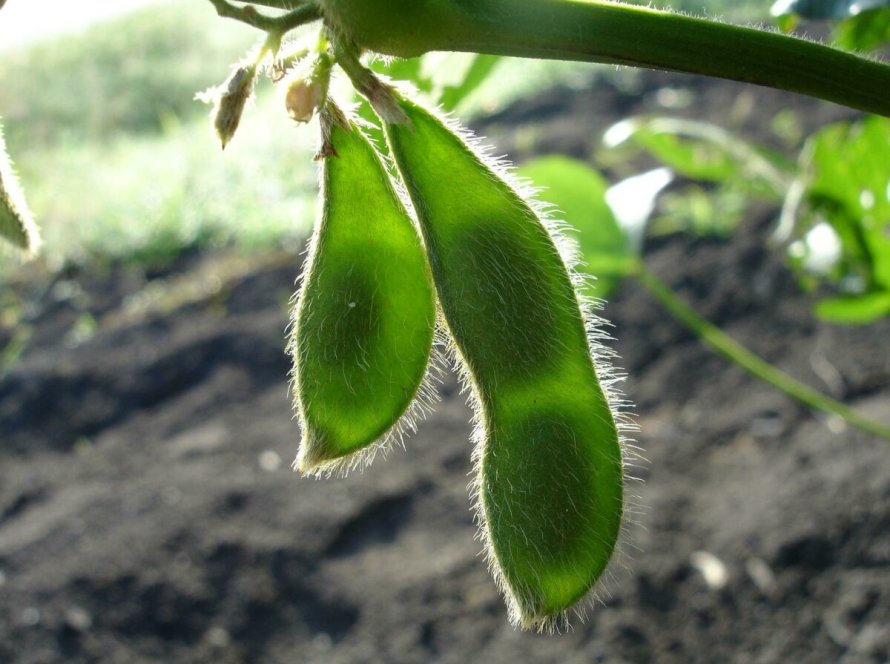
(725, 345)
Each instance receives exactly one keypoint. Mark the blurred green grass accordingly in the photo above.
(119, 76)
(146, 198)
(117, 159)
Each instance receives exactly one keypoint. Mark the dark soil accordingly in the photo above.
(148, 512)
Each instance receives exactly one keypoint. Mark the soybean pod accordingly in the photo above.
(365, 317)
(549, 460)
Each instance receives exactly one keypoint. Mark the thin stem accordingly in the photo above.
(282, 64)
(379, 95)
(616, 33)
(725, 345)
(271, 24)
(347, 56)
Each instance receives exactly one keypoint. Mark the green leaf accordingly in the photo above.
(702, 212)
(703, 151)
(787, 22)
(850, 187)
(864, 32)
(577, 193)
(448, 78)
(858, 310)
(480, 68)
(410, 69)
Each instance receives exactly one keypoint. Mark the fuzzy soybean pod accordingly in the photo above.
(365, 317)
(549, 479)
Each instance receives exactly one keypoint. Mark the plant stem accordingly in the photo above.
(379, 95)
(271, 24)
(612, 32)
(725, 345)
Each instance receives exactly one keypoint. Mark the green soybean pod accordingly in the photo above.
(365, 317)
(549, 483)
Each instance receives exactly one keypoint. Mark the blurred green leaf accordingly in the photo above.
(703, 151)
(479, 70)
(850, 187)
(858, 310)
(699, 211)
(447, 77)
(863, 25)
(864, 32)
(578, 194)
(787, 22)
(403, 70)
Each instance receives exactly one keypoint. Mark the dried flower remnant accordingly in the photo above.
(229, 100)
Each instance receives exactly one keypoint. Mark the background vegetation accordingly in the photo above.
(116, 156)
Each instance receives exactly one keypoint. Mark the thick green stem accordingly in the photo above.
(611, 32)
(728, 347)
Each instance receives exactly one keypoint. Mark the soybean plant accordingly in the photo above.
(479, 257)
